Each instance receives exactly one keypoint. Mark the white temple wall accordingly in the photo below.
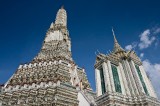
(147, 82)
(127, 75)
(82, 100)
(106, 77)
(141, 87)
(111, 76)
(134, 87)
(121, 80)
(98, 83)
(136, 78)
(127, 91)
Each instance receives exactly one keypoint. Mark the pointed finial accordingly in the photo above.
(61, 17)
(113, 31)
(115, 40)
(62, 7)
(117, 47)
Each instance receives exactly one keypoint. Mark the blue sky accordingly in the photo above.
(23, 24)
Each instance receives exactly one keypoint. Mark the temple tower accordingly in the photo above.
(121, 79)
(57, 43)
(52, 78)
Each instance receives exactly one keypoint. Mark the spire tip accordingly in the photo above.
(117, 47)
(114, 35)
(62, 7)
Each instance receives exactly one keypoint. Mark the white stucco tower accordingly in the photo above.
(121, 79)
(52, 78)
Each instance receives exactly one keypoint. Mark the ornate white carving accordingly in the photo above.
(55, 35)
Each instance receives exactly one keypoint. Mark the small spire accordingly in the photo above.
(51, 26)
(62, 7)
(61, 17)
(117, 47)
(115, 40)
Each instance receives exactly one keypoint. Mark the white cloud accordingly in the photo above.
(156, 31)
(157, 67)
(145, 39)
(132, 46)
(153, 70)
(129, 47)
(141, 55)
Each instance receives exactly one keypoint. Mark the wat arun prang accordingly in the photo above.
(52, 78)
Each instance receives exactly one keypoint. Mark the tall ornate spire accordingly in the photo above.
(61, 17)
(117, 47)
(57, 42)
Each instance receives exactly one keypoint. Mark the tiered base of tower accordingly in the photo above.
(58, 95)
(40, 84)
(44, 84)
(117, 99)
